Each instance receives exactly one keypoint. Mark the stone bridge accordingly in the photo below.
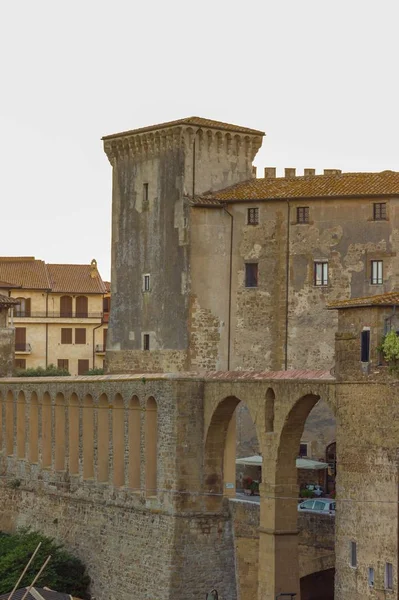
(135, 465)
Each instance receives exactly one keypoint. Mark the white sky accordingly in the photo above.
(319, 77)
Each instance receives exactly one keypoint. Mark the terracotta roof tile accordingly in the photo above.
(7, 301)
(75, 279)
(389, 299)
(196, 121)
(25, 272)
(107, 286)
(341, 185)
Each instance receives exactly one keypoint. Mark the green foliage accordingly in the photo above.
(306, 493)
(390, 347)
(95, 372)
(64, 573)
(49, 371)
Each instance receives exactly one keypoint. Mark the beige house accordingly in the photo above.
(60, 317)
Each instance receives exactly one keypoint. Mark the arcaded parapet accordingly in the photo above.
(156, 172)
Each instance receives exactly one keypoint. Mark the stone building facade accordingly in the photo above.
(59, 317)
(208, 277)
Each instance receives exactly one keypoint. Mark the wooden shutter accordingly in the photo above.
(105, 333)
(82, 306)
(63, 363)
(20, 339)
(83, 366)
(20, 363)
(66, 306)
(27, 307)
(80, 335)
(66, 335)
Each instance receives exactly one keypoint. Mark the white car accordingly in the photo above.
(321, 506)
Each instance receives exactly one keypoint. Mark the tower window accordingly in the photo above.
(320, 273)
(146, 283)
(376, 272)
(145, 192)
(379, 211)
(253, 216)
(353, 554)
(146, 341)
(302, 214)
(365, 346)
(388, 576)
(251, 275)
(371, 577)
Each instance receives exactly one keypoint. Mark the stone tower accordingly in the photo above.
(157, 171)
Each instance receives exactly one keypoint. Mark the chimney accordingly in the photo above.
(270, 172)
(332, 171)
(93, 269)
(289, 172)
(309, 172)
(254, 171)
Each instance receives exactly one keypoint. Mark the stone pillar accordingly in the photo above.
(278, 541)
(229, 461)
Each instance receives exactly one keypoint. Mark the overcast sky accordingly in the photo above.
(320, 78)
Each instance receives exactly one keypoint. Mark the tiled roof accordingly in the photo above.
(29, 273)
(25, 272)
(75, 278)
(107, 286)
(196, 121)
(7, 301)
(341, 185)
(46, 594)
(389, 299)
(6, 284)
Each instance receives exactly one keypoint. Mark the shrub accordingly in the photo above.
(49, 371)
(64, 573)
(306, 493)
(95, 372)
(390, 347)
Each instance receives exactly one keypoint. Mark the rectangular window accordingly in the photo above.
(66, 335)
(253, 216)
(146, 283)
(145, 193)
(251, 275)
(20, 363)
(106, 304)
(146, 341)
(63, 363)
(380, 211)
(320, 273)
(302, 214)
(83, 366)
(365, 346)
(376, 272)
(371, 577)
(20, 339)
(80, 335)
(353, 554)
(303, 449)
(388, 576)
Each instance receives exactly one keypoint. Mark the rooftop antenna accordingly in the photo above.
(36, 578)
(24, 571)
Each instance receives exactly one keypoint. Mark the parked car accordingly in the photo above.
(321, 506)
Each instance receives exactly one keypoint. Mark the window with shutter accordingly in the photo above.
(20, 363)
(82, 306)
(63, 363)
(83, 366)
(66, 335)
(66, 306)
(80, 335)
(20, 339)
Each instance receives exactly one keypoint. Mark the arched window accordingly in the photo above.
(134, 443)
(269, 411)
(151, 445)
(82, 306)
(21, 407)
(59, 432)
(103, 439)
(46, 430)
(118, 440)
(23, 308)
(66, 306)
(88, 437)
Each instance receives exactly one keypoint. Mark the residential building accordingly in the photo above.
(60, 315)
(215, 269)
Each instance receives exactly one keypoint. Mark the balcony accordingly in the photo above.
(100, 349)
(22, 348)
(57, 315)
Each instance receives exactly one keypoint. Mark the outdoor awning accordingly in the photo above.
(301, 463)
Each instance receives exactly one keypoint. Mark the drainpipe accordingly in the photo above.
(230, 281)
(287, 286)
(94, 347)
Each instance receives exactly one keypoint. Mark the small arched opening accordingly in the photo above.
(118, 440)
(318, 586)
(103, 439)
(59, 432)
(88, 437)
(134, 443)
(34, 428)
(269, 410)
(21, 427)
(151, 446)
(46, 430)
(73, 441)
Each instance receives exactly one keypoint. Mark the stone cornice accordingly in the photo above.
(153, 143)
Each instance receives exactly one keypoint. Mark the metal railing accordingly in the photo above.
(58, 315)
(22, 347)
